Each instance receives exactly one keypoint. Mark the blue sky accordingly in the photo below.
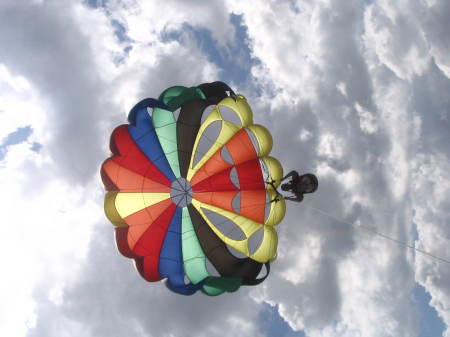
(356, 92)
(19, 136)
(430, 323)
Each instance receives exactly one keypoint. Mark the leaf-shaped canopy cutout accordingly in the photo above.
(206, 112)
(226, 155)
(207, 140)
(225, 225)
(212, 271)
(253, 139)
(236, 253)
(230, 115)
(236, 203)
(234, 177)
(255, 240)
(267, 207)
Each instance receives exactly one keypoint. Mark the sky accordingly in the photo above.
(354, 91)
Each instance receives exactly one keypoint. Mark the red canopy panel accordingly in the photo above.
(240, 148)
(128, 155)
(126, 180)
(143, 238)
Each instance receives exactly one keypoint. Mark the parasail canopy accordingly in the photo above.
(188, 195)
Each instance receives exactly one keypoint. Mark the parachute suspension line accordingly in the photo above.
(373, 231)
(271, 183)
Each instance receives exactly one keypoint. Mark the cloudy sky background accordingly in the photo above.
(355, 91)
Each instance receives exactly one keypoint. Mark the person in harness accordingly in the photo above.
(297, 185)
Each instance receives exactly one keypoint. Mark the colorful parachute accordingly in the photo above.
(189, 196)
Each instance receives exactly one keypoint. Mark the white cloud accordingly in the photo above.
(44, 231)
(368, 121)
(356, 93)
(81, 92)
(330, 146)
(368, 125)
(431, 188)
(17, 99)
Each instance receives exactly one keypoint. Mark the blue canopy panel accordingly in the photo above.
(144, 135)
(171, 259)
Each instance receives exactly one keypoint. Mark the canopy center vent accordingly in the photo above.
(181, 192)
